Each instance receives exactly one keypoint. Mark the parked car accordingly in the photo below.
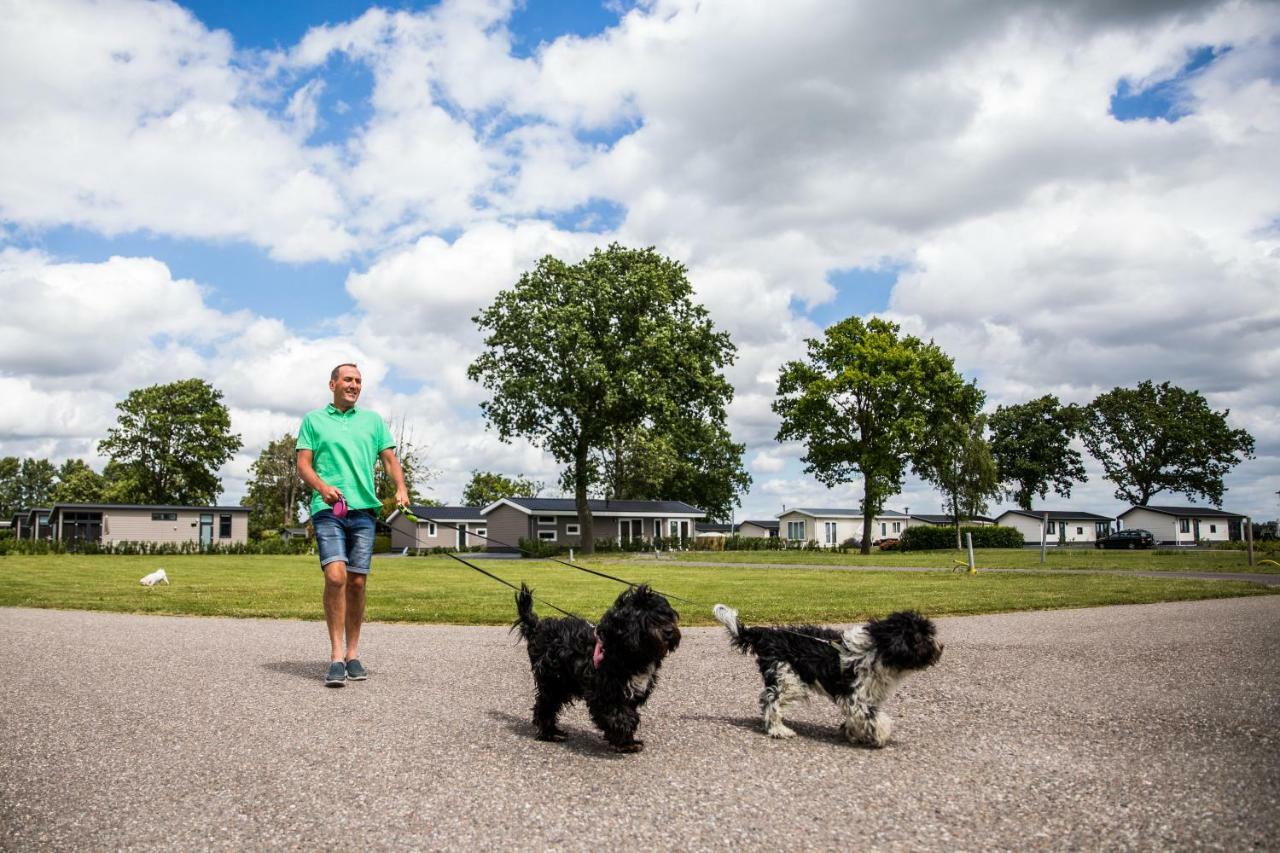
(1136, 538)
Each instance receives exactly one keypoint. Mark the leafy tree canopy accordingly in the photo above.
(1157, 438)
(697, 462)
(275, 492)
(862, 403)
(79, 484)
(486, 487)
(577, 353)
(956, 457)
(170, 441)
(1031, 443)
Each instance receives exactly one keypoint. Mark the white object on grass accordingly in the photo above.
(158, 576)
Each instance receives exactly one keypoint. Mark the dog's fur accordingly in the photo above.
(637, 633)
(858, 669)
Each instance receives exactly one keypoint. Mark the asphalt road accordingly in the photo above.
(1140, 727)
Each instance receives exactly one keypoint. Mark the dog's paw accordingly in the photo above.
(780, 731)
(554, 736)
(633, 746)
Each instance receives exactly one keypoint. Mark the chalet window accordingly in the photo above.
(1079, 531)
(224, 526)
(480, 531)
(829, 531)
(1053, 527)
(164, 516)
(1213, 528)
(547, 535)
(795, 530)
(573, 530)
(546, 519)
(1184, 525)
(897, 527)
(431, 529)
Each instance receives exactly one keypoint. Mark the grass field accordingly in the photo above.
(440, 590)
(1166, 560)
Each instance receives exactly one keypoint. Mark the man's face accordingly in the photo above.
(346, 388)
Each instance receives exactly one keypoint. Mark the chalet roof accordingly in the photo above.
(1056, 514)
(1187, 511)
(567, 506)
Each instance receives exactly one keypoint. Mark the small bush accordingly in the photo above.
(536, 548)
(929, 538)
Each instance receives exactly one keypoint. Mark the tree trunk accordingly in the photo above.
(580, 500)
(867, 512)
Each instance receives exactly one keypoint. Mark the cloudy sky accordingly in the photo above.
(1065, 196)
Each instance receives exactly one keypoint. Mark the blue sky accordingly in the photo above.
(1075, 171)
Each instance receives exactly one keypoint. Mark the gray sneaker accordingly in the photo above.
(356, 670)
(336, 676)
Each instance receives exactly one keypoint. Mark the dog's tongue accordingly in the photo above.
(597, 657)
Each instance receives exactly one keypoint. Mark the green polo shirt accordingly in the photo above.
(344, 447)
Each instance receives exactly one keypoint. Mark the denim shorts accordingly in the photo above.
(348, 540)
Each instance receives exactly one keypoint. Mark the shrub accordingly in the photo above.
(929, 538)
(536, 548)
(134, 549)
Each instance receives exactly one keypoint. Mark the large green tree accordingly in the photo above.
(79, 484)
(10, 491)
(275, 492)
(862, 403)
(577, 353)
(1157, 438)
(171, 440)
(485, 487)
(34, 483)
(1031, 443)
(956, 456)
(697, 462)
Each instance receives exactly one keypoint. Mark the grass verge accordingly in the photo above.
(440, 590)
(1084, 559)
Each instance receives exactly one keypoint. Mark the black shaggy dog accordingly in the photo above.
(614, 668)
(858, 669)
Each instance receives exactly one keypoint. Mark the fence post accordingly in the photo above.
(570, 555)
(1044, 532)
(1248, 536)
(968, 539)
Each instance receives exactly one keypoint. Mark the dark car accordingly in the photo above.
(1128, 539)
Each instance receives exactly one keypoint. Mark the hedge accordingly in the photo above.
(929, 538)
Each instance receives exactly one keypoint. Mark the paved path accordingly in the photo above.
(1143, 727)
(1250, 577)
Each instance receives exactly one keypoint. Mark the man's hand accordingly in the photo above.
(402, 497)
(329, 494)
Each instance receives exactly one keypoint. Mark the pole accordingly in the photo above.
(570, 554)
(1044, 532)
(968, 539)
(1248, 536)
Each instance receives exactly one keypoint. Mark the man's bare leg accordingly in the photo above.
(335, 605)
(355, 613)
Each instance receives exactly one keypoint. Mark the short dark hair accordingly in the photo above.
(333, 374)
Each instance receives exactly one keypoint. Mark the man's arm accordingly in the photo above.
(392, 464)
(307, 472)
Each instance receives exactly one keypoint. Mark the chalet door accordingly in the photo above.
(460, 534)
(206, 529)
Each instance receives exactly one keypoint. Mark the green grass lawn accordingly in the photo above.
(1167, 560)
(440, 590)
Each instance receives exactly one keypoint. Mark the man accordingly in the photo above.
(337, 448)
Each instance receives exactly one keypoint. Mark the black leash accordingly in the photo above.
(605, 575)
(466, 532)
(471, 565)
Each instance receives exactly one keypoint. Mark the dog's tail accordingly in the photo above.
(526, 620)
(738, 633)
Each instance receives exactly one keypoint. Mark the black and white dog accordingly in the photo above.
(858, 669)
(614, 668)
